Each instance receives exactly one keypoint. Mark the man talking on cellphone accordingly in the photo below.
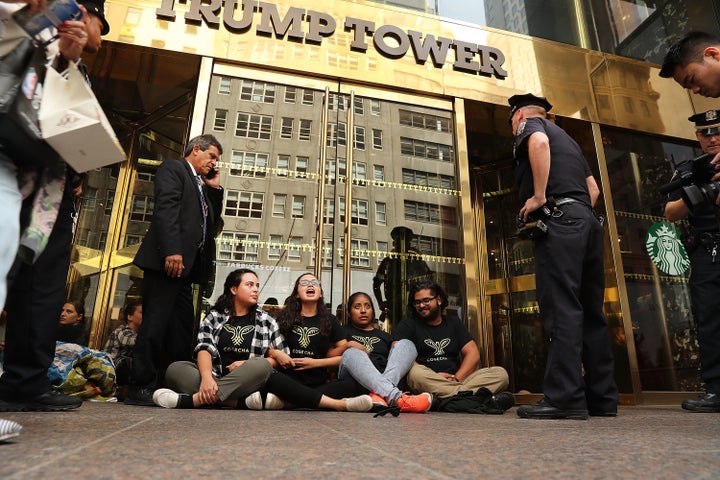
(177, 251)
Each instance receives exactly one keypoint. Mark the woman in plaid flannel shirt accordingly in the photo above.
(231, 356)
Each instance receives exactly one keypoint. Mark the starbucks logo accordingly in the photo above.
(665, 249)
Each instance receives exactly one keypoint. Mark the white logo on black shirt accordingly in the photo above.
(367, 342)
(305, 333)
(238, 333)
(439, 346)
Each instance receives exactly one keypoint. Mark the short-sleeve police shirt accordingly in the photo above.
(438, 346)
(568, 167)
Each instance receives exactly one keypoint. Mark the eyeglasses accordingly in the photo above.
(305, 283)
(360, 306)
(424, 301)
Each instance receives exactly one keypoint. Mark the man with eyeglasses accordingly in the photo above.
(448, 357)
(701, 240)
(177, 251)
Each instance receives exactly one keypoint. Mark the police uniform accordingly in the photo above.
(702, 241)
(569, 278)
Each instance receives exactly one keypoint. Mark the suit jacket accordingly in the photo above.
(177, 223)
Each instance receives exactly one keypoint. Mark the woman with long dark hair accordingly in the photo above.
(316, 340)
(232, 353)
(376, 362)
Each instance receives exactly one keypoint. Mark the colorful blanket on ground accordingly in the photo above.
(83, 372)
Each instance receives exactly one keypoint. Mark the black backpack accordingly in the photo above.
(467, 402)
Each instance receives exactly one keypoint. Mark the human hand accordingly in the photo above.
(208, 391)
(448, 376)
(174, 265)
(212, 179)
(234, 365)
(72, 38)
(305, 363)
(531, 204)
(283, 359)
(358, 345)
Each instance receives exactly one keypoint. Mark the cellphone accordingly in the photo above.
(42, 25)
(211, 174)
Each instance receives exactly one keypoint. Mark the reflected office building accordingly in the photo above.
(368, 143)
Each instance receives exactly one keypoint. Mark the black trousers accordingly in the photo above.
(570, 291)
(705, 295)
(166, 332)
(35, 297)
(300, 395)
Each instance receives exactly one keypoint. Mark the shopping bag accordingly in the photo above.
(21, 88)
(74, 124)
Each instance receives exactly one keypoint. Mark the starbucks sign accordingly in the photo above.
(665, 249)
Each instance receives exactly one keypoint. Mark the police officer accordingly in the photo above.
(553, 175)
(703, 245)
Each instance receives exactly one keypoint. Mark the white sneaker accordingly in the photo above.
(361, 403)
(166, 398)
(273, 402)
(9, 429)
(254, 401)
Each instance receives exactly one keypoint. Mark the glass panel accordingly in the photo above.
(518, 338)
(664, 333)
(640, 29)
(404, 206)
(147, 98)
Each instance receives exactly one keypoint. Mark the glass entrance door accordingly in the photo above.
(353, 184)
(148, 99)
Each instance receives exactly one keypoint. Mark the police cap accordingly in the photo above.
(707, 123)
(527, 99)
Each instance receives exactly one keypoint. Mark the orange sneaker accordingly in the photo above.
(377, 400)
(415, 403)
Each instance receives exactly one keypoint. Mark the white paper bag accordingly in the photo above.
(74, 124)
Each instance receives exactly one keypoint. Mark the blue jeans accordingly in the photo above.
(9, 219)
(357, 364)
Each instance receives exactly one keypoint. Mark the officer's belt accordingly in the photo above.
(565, 201)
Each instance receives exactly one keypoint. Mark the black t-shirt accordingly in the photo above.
(236, 338)
(306, 341)
(568, 167)
(703, 218)
(438, 346)
(376, 341)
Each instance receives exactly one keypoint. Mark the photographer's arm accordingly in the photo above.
(676, 210)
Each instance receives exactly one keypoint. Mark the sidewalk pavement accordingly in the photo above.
(118, 441)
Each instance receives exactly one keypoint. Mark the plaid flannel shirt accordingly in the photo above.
(267, 335)
(121, 343)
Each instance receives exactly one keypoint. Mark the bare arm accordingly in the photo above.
(539, 155)
(592, 189)
(470, 360)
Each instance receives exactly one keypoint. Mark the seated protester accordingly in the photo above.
(121, 342)
(72, 324)
(231, 354)
(447, 360)
(374, 363)
(316, 341)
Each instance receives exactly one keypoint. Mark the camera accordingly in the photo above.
(697, 185)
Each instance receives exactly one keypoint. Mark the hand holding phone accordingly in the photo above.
(212, 173)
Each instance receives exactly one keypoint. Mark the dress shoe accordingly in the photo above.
(504, 400)
(140, 396)
(543, 409)
(708, 403)
(50, 401)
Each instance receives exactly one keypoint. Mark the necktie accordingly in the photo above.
(204, 208)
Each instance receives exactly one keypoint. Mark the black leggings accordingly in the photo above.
(300, 395)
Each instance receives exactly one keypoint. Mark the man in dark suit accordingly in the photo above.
(177, 251)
